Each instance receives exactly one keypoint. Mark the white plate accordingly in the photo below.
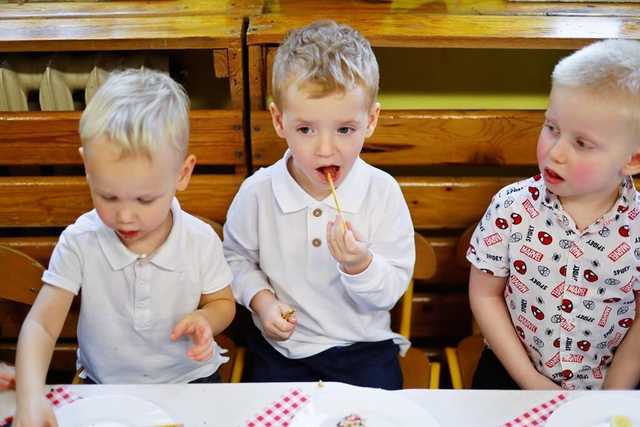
(111, 411)
(595, 411)
(334, 401)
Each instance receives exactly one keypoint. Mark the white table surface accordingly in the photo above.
(232, 404)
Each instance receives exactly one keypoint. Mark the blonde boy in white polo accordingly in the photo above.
(155, 285)
(285, 242)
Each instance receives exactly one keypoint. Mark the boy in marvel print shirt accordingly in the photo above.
(555, 259)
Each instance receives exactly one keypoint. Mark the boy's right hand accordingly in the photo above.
(277, 319)
(38, 414)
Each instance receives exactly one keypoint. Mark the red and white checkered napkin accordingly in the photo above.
(538, 415)
(280, 412)
(58, 396)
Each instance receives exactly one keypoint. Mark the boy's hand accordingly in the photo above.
(38, 414)
(196, 326)
(347, 247)
(7, 377)
(278, 319)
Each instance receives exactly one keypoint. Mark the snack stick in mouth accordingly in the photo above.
(335, 200)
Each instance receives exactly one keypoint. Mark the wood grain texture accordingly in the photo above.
(467, 7)
(96, 34)
(129, 8)
(429, 138)
(462, 31)
(57, 201)
(49, 138)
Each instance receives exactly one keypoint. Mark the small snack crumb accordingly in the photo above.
(352, 420)
(288, 314)
(320, 384)
(620, 421)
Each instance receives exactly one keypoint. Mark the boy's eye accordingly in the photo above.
(305, 130)
(345, 130)
(146, 201)
(109, 198)
(550, 127)
(581, 144)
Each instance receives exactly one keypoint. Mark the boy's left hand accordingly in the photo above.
(197, 327)
(347, 246)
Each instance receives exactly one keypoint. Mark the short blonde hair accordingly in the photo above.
(608, 65)
(327, 56)
(139, 110)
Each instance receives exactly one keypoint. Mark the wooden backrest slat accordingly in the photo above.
(57, 201)
(96, 34)
(429, 138)
(481, 7)
(52, 138)
(120, 9)
(463, 31)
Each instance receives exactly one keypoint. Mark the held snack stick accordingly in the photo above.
(288, 314)
(335, 200)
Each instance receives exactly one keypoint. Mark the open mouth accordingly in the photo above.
(127, 234)
(551, 177)
(332, 170)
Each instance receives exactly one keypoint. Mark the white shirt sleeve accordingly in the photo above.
(217, 274)
(392, 245)
(241, 247)
(65, 265)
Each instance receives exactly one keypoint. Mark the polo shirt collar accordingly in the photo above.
(169, 256)
(291, 197)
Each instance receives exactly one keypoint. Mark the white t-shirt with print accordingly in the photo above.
(570, 294)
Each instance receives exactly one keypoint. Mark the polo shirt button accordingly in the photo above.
(316, 242)
(317, 212)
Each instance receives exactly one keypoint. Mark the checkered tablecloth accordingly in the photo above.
(281, 411)
(538, 415)
(58, 396)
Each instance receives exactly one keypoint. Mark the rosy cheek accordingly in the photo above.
(583, 174)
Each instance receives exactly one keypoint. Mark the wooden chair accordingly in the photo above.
(462, 360)
(417, 370)
(22, 282)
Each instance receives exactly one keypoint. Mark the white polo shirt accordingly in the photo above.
(570, 293)
(129, 305)
(275, 238)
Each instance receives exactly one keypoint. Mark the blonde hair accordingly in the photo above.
(328, 57)
(139, 110)
(608, 65)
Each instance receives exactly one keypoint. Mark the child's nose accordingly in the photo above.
(325, 145)
(124, 215)
(558, 150)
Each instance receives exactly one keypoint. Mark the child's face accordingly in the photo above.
(133, 194)
(587, 144)
(324, 134)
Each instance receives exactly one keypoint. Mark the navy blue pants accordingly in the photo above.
(366, 364)
(491, 375)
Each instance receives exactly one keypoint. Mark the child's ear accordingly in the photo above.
(276, 118)
(372, 121)
(633, 165)
(186, 169)
(84, 161)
